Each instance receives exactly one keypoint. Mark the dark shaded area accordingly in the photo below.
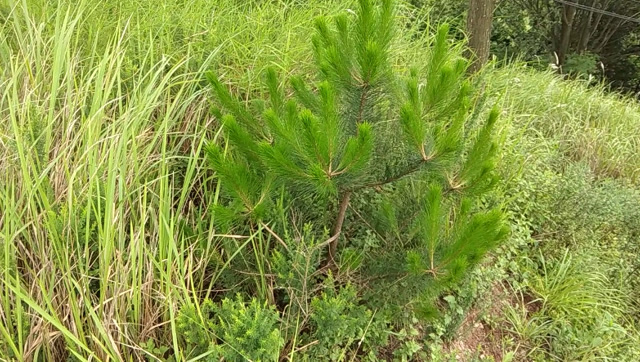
(594, 39)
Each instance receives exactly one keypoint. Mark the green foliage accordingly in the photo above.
(602, 217)
(583, 65)
(311, 149)
(119, 242)
(295, 268)
(623, 63)
(578, 305)
(338, 137)
(575, 210)
(153, 350)
(518, 31)
(521, 29)
(234, 330)
(574, 314)
(530, 30)
(340, 325)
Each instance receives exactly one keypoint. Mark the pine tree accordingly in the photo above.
(361, 125)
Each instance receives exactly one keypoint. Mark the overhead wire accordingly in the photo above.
(599, 11)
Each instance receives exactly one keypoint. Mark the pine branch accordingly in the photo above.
(337, 228)
(412, 169)
(363, 99)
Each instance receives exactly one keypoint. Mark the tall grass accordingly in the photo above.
(574, 314)
(586, 122)
(103, 193)
(91, 260)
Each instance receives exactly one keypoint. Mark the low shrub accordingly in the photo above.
(234, 330)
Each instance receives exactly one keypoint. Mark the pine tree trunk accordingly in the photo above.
(337, 229)
(479, 22)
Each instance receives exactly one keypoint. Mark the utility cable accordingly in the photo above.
(599, 11)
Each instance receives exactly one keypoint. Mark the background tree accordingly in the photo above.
(581, 37)
(479, 21)
(581, 32)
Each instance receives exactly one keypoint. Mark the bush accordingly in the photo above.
(341, 326)
(234, 330)
(582, 65)
(578, 305)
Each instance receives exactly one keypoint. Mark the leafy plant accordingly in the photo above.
(581, 65)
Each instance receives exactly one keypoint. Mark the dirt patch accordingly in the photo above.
(533, 305)
(476, 338)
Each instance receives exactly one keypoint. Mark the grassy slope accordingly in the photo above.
(587, 122)
(102, 119)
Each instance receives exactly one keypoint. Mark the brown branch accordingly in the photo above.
(278, 238)
(395, 178)
(608, 36)
(344, 205)
(337, 228)
(363, 98)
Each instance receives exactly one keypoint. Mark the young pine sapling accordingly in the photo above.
(361, 123)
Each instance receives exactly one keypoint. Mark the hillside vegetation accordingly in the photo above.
(111, 247)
